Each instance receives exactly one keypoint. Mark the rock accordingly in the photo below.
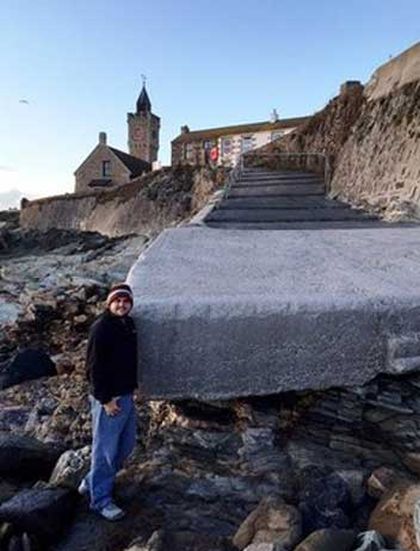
(26, 458)
(41, 512)
(393, 517)
(416, 521)
(355, 481)
(271, 522)
(71, 467)
(370, 541)
(325, 502)
(14, 418)
(7, 490)
(380, 480)
(328, 539)
(27, 365)
(163, 540)
(412, 461)
(261, 547)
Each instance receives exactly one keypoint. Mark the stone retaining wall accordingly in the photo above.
(146, 205)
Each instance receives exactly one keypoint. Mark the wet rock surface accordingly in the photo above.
(43, 513)
(26, 365)
(23, 457)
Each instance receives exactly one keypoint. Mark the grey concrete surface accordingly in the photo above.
(226, 313)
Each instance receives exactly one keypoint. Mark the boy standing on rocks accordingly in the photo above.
(112, 373)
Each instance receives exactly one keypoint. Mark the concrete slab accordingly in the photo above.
(226, 313)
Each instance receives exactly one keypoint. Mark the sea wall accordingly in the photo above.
(146, 205)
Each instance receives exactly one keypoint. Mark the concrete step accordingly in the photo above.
(280, 179)
(281, 202)
(276, 174)
(308, 225)
(287, 215)
(259, 183)
(277, 190)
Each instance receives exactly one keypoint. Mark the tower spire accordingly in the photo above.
(143, 104)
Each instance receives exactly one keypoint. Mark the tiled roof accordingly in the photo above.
(239, 129)
(135, 166)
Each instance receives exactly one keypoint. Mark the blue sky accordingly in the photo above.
(78, 65)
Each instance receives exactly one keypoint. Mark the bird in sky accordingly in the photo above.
(24, 101)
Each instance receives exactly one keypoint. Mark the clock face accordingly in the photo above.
(137, 133)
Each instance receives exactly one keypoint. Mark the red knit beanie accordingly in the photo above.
(119, 290)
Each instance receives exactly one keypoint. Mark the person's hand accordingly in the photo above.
(112, 408)
(140, 393)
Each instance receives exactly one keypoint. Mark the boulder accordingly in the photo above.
(272, 522)
(412, 462)
(23, 457)
(325, 502)
(165, 540)
(382, 479)
(7, 490)
(328, 539)
(262, 547)
(31, 363)
(43, 512)
(71, 467)
(393, 517)
(14, 418)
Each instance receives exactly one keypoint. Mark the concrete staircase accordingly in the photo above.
(262, 199)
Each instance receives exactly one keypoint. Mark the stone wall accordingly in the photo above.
(371, 137)
(147, 205)
(380, 162)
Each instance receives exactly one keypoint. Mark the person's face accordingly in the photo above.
(120, 306)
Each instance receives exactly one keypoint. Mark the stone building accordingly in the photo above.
(224, 145)
(107, 166)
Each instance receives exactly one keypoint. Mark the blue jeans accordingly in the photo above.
(113, 439)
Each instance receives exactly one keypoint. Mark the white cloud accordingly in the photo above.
(10, 199)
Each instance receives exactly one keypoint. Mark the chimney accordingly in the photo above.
(184, 129)
(102, 138)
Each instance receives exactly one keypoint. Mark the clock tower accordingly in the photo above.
(143, 129)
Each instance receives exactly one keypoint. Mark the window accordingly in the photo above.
(247, 143)
(227, 146)
(189, 151)
(106, 169)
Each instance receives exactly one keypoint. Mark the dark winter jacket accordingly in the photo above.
(112, 357)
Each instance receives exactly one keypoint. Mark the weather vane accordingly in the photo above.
(144, 78)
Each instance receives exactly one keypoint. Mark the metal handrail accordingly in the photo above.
(234, 176)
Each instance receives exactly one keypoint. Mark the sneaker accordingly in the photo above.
(111, 512)
(83, 488)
